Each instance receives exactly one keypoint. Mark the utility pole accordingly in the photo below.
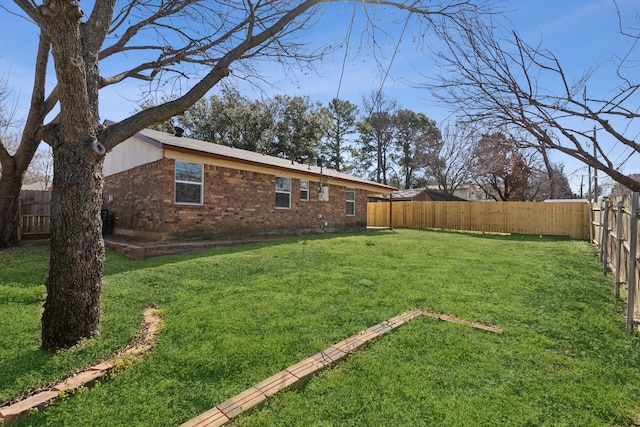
(595, 171)
(589, 192)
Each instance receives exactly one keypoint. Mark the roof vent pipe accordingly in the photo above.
(178, 131)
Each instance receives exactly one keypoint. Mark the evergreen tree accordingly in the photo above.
(416, 137)
(343, 117)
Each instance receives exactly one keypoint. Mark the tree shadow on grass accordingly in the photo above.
(512, 237)
(28, 366)
(21, 365)
(118, 263)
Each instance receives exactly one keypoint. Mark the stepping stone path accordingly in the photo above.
(143, 344)
(224, 412)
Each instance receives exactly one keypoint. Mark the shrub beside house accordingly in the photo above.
(158, 185)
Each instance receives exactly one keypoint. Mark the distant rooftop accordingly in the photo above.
(412, 193)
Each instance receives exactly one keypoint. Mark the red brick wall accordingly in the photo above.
(234, 201)
(137, 196)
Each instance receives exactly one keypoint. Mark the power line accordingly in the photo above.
(628, 157)
(346, 50)
(393, 57)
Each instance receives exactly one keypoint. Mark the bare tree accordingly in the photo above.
(16, 152)
(501, 169)
(545, 185)
(620, 190)
(452, 165)
(504, 82)
(551, 171)
(160, 40)
(40, 169)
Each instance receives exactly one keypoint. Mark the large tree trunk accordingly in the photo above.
(72, 310)
(407, 177)
(14, 167)
(10, 185)
(551, 174)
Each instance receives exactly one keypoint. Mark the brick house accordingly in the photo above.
(157, 185)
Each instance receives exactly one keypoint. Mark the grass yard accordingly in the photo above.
(233, 317)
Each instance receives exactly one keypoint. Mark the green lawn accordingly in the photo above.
(234, 317)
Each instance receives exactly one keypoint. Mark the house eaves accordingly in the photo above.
(244, 157)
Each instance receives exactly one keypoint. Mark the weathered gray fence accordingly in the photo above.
(614, 228)
(35, 214)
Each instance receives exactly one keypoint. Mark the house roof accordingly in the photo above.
(412, 193)
(172, 142)
(439, 196)
(408, 193)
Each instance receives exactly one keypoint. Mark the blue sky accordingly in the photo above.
(582, 33)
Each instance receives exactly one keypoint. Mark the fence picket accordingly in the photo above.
(605, 237)
(35, 213)
(619, 251)
(619, 241)
(633, 262)
(558, 218)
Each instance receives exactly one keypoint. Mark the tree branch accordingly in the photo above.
(116, 133)
(500, 84)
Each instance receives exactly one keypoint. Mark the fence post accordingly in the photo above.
(633, 260)
(605, 238)
(601, 231)
(20, 218)
(591, 225)
(391, 211)
(619, 240)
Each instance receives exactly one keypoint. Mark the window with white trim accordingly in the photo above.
(188, 183)
(283, 193)
(304, 190)
(351, 201)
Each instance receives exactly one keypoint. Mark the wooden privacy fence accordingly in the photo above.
(35, 213)
(615, 231)
(570, 218)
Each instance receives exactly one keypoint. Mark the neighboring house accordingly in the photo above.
(157, 184)
(416, 195)
(465, 191)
